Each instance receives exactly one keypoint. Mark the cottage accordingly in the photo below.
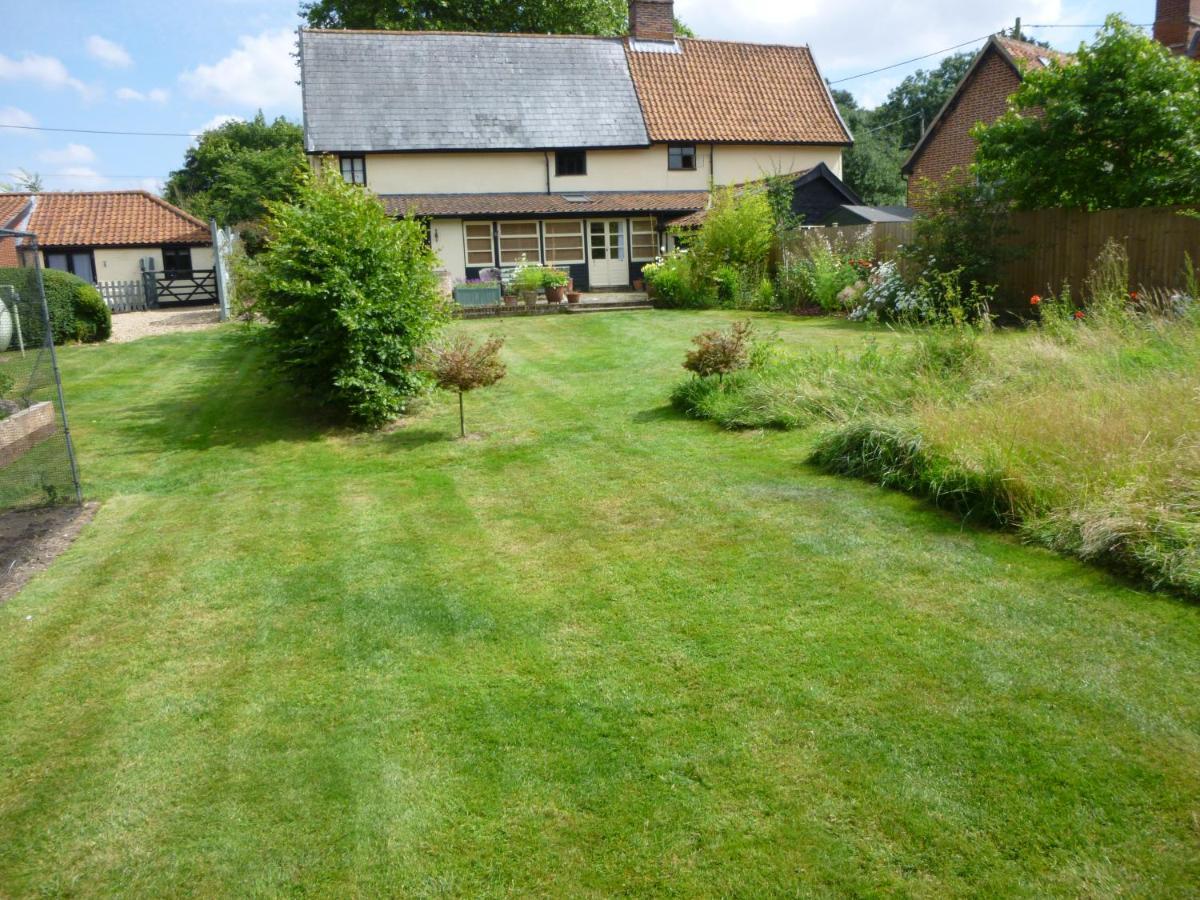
(573, 151)
(104, 236)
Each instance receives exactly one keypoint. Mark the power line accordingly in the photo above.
(187, 134)
(897, 122)
(913, 60)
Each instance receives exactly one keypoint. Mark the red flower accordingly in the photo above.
(1079, 314)
(1035, 299)
(1133, 295)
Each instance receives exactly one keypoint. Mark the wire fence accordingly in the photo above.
(37, 458)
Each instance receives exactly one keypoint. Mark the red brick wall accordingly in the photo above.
(652, 20)
(983, 99)
(1176, 23)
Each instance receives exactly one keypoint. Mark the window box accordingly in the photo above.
(477, 294)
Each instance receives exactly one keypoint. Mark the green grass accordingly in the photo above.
(603, 650)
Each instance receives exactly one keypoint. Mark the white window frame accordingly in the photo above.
(467, 238)
(583, 243)
(633, 236)
(536, 259)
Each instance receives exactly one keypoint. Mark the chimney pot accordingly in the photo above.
(653, 20)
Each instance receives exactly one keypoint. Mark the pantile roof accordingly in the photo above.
(111, 219)
(722, 91)
(545, 204)
(12, 209)
(376, 91)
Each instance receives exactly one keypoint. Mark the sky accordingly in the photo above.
(160, 66)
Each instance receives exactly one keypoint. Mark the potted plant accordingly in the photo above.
(555, 282)
(639, 284)
(527, 281)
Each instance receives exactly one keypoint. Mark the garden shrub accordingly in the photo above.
(826, 272)
(351, 296)
(77, 311)
(726, 260)
(721, 353)
(462, 365)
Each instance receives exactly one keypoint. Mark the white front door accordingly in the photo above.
(608, 254)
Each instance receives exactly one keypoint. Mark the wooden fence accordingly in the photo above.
(123, 296)
(1054, 246)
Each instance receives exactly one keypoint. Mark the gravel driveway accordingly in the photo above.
(131, 326)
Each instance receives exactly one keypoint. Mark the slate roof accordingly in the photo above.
(584, 203)
(721, 91)
(396, 91)
(111, 219)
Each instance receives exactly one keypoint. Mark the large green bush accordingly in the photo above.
(726, 261)
(351, 297)
(77, 311)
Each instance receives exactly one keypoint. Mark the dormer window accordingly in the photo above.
(570, 162)
(681, 157)
(354, 169)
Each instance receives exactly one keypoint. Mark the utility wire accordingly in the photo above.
(913, 60)
(98, 131)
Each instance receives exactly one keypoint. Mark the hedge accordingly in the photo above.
(77, 311)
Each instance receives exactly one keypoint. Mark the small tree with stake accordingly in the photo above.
(721, 353)
(463, 365)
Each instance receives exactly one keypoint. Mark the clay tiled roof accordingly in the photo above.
(111, 219)
(582, 203)
(738, 93)
(12, 209)
(1030, 56)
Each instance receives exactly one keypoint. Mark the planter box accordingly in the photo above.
(24, 430)
(477, 295)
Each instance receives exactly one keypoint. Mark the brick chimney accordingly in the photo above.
(1177, 25)
(654, 20)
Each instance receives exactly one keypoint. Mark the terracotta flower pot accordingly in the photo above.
(639, 285)
(556, 294)
(573, 296)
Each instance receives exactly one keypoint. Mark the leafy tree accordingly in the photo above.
(462, 365)
(872, 166)
(24, 182)
(234, 170)
(351, 295)
(913, 104)
(1118, 128)
(606, 17)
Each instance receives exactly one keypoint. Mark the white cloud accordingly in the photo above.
(68, 156)
(43, 70)
(11, 115)
(156, 95)
(108, 52)
(218, 121)
(260, 73)
(76, 178)
(854, 36)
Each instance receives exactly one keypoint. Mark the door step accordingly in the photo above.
(575, 308)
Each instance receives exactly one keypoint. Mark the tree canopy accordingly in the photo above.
(915, 102)
(605, 17)
(872, 166)
(1118, 128)
(235, 169)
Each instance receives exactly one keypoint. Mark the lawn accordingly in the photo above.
(601, 649)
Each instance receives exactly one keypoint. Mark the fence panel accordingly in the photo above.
(123, 296)
(1057, 246)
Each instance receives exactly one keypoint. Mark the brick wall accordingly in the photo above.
(983, 99)
(652, 20)
(1177, 24)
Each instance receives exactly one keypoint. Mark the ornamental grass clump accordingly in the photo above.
(462, 365)
(350, 295)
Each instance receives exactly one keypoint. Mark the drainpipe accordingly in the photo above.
(547, 155)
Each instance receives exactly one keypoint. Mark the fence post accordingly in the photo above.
(150, 288)
(220, 243)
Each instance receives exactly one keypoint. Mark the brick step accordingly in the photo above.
(576, 308)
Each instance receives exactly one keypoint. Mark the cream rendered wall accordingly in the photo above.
(449, 243)
(456, 173)
(736, 164)
(642, 169)
(124, 264)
